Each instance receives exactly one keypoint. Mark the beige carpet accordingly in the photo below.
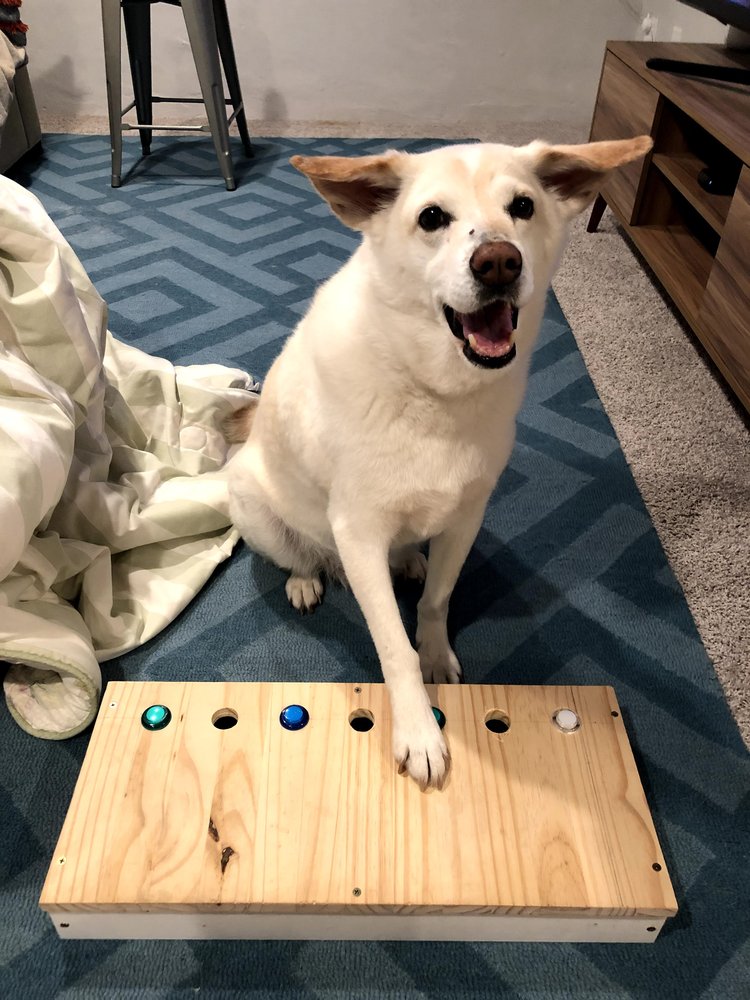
(682, 433)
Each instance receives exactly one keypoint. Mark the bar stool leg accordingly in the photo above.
(226, 49)
(112, 29)
(137, 18)
(201, 29)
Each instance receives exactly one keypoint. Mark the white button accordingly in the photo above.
(567, 720)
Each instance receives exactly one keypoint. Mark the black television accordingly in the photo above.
(735, 14)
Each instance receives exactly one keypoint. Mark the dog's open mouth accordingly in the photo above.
(487, 333)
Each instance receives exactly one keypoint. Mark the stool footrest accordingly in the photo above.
(127, 127)
(177, 100)
(182, 100)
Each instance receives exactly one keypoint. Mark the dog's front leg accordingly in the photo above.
(418, 744)
(448, 552)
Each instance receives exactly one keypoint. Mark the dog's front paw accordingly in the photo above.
(439, 663)
(420, 750)
(304, 593)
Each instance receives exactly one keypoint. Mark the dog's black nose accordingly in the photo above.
(496, 264)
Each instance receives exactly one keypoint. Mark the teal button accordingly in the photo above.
(156, 717)
(439, 717)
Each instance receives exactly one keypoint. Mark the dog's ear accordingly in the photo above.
(354, 186)
(576, 173)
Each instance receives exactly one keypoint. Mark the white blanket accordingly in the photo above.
(113, 503)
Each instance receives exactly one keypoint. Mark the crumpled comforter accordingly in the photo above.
(113, 503)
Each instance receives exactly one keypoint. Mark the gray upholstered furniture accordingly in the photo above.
(21, 132)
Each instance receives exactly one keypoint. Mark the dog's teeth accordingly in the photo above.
(472, 341)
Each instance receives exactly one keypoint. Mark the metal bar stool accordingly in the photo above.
(210, 38)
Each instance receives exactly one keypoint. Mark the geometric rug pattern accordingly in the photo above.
(566, 584)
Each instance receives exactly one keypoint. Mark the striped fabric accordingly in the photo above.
(113, 505)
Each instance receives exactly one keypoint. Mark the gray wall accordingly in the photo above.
(678, 22)
(459, 63)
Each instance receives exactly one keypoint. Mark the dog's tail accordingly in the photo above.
(237, 425)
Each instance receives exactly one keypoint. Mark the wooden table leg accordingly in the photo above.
(597, 211)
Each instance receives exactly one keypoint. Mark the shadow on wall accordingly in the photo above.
(259, 78)
(274, 106)
(58, 83)
(61, 92)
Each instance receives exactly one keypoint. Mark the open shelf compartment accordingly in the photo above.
(676, 241)
(682, 150)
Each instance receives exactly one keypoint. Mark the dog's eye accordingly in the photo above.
(432, 218)
(521, 207)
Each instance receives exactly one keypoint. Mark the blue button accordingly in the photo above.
(439, 716)
(294, 717)
(156, 717)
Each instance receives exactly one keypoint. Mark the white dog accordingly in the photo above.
(390, 413)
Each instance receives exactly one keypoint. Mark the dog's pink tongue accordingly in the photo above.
(489, 330)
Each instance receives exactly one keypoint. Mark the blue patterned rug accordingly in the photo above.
(567, 583)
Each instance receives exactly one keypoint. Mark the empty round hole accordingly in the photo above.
(497, 721)
(225, 718)
(65, 925)
(651, 929)
(615, 715)
(361, 721)
(656, 866)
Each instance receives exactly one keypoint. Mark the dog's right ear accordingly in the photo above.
(354, 186)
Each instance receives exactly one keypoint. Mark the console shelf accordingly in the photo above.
(696, 241)
(682, 171)
(684, 264)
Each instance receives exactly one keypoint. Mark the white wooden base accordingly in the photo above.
(344, 927)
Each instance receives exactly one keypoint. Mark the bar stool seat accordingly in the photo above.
(210, 38)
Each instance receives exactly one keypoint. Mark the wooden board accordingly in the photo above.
(179, 831)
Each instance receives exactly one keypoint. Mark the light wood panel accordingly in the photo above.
(533, 822)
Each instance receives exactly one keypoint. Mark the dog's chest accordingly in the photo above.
(426, 479)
